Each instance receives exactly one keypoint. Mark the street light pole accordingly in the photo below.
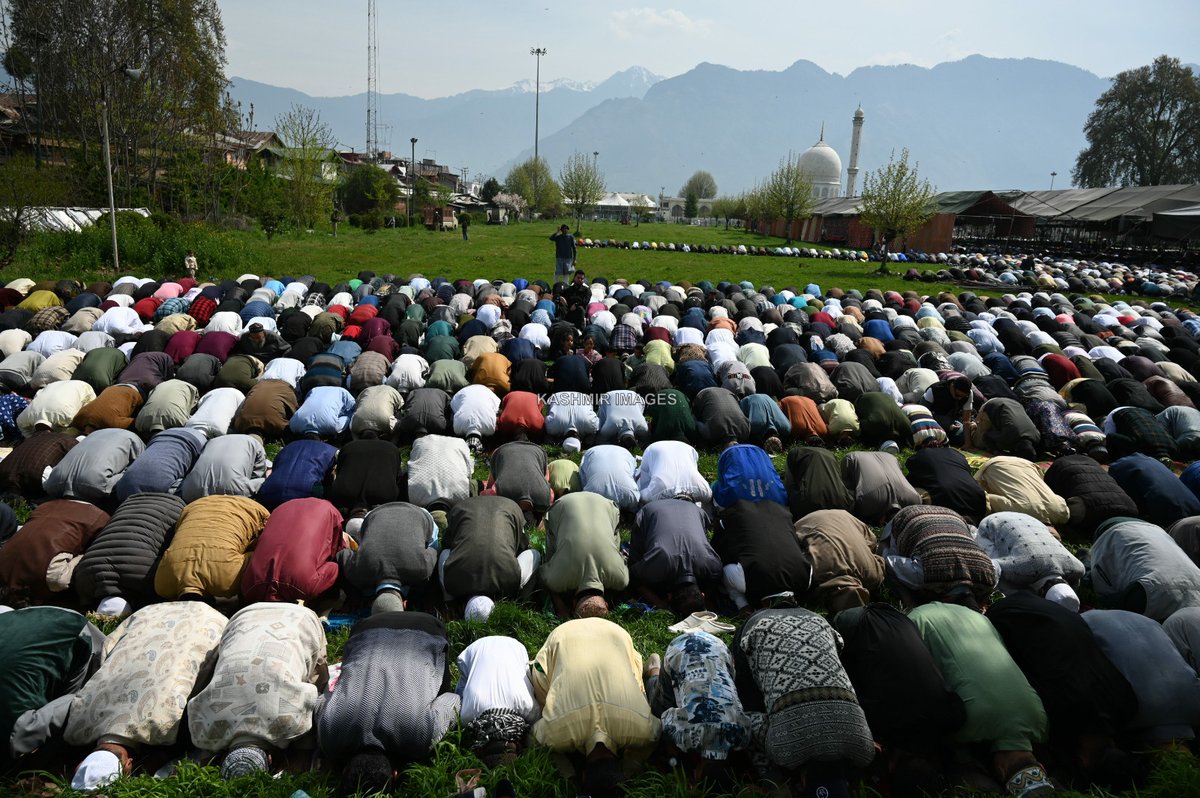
(1052, 176)
(538, 52)
(112, 205)
(412, 180)
(108, 176)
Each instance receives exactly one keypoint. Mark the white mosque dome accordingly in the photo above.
(823, 168)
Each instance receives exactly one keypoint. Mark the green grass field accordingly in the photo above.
(524, 250)
(508, 251)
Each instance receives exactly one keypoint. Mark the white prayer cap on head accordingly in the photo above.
(479, 608)
(98, 769)
(113, 605)
(1064, 595)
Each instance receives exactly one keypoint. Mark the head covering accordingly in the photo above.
(479, 608)
(1064, 595)
(243, 761)
(387, 601)
(571, 445)
(113, 605)
(96, 770)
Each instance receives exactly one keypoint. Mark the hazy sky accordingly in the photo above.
(434, 49)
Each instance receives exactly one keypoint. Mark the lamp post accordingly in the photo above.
(537, 52)
(1052, 176)
(112, 205)
(412, 181)
(660, 215)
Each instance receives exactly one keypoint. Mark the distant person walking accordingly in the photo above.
(189, 263)
(464, 222)
(564, 252)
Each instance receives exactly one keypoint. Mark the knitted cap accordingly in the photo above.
(243, 761)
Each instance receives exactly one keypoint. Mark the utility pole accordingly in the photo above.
(372, 84)
(537, 52)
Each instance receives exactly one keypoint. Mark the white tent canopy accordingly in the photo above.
(72, 219)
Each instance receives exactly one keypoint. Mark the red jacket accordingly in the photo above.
(521, 411)
(293, 559)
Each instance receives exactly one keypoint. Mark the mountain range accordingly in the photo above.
(977, 123)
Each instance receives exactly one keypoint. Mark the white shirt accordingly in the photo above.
(475, 409)
(93, 339)
(287, 369)
(13, 341)
(494, 674)
(409, 372)
(119, 319)
(668, 470)
(608, 470)
(51, 341)
(571, 410)
(216, 410)
(536, 334)
(225, 321)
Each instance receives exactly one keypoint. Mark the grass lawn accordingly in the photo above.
(509, 252)
(523, 250)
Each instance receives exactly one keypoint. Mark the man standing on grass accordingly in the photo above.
(564, 252)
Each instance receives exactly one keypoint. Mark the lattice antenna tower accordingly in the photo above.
(372, 83)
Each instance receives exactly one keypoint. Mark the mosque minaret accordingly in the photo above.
(855, 140)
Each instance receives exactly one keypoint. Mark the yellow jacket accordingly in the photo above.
(210, 547)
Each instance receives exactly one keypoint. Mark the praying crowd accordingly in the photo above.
(996, 586)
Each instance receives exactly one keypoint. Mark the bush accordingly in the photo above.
(355, 220)
(372, 220)
(144, 249)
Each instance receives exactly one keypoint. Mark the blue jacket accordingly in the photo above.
(166, 460)
(745, 472)
(326, 411)
(299, 468)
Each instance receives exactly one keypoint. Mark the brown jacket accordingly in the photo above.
(56, 527)
(268, 408)
(114, 407)
(845, 567)
(21, 472)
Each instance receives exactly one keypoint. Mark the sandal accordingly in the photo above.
(703, 621)
(1029, 782)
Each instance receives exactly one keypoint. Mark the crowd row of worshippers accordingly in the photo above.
(1044, 272)
(410, 359)
(1041, 270)
(1038, 687)
(755, 534)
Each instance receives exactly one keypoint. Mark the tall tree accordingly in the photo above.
(72, 53)
(582, 185)
(691, 205)
(307, 164)
(24, 187)
(366, 188)
(895, 200)
(1145, 130)
(787, 194)
(701, 182)
(534, 181)
(491, 188)
(729, 208)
